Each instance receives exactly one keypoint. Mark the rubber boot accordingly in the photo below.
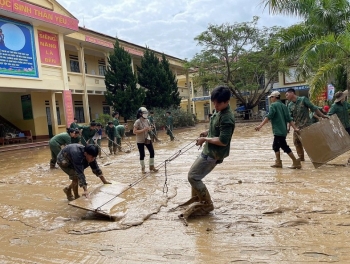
(99, 152)
(300, 152)
(143, 168)
(151, 165)
(110, 151)
(75, 190)
(115, 150)
(278, 161)
(296, 162)
(194, 198)
(68, 192)
(203, 207)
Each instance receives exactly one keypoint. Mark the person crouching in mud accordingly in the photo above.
(217, 147)
(73, 160)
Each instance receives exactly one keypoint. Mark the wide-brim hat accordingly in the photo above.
(340, 95)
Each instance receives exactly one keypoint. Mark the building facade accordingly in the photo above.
(52, 70)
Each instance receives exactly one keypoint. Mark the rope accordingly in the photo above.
(164, 163)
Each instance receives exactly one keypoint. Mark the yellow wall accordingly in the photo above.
(95, 102)
(11, 109)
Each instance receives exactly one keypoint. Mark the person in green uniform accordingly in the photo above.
(87, 133)
(58, 141)
(97, 138)
(280, 117)
(112, 140)
(153, 132)
(116, 119)
(340, 108)
(169, 125)
(74, 124)
(299, 107)
(119, 134)
(115, 116)
(216, 148)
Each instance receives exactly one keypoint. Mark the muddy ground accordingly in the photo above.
(262, 215)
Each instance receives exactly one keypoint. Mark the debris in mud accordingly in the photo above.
(278, 210)
(294, 223)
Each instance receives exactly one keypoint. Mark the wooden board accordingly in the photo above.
(102, 199)
(325, 140)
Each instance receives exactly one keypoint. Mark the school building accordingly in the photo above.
(52, 70)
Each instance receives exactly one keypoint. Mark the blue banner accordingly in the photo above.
(17, 49)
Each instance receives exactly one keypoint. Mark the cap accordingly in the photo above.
(274, 93)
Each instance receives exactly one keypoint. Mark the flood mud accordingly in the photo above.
(261, 215)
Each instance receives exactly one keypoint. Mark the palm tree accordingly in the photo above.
(320, 42)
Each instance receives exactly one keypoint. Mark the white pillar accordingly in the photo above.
(53, 113)
(85, 96)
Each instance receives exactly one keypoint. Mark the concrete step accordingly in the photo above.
(12, 147)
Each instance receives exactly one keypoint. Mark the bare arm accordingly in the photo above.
(266, 120)
(214, 141)
(319, 113)
(292, 124)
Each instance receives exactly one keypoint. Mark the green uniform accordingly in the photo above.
(116, 122)
(222, 125)
(279, 117)
(153, 133)
(75, 140)
(87, 135)
(341, 110)
(55, 144)
(74, 125)
(111, 134)
(169, 129)
(119, 133)
(299, 111)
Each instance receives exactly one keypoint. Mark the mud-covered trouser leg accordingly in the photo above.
(55, 149)
(143, 168)
(119, 143)
(298, 146)
(202, 166)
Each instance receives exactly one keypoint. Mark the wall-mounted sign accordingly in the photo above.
(48, 46)
(33, 11)
(99, 42)
(17, 49)
(330, 92)
(68, 107)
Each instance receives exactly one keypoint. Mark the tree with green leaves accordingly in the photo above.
(171, 82)
(122, 93)
(320, 42)
(240, 56)
(158, 81)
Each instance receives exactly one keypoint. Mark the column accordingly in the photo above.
(188, 92)
(85, 97)
(53, 113)
(192, 95)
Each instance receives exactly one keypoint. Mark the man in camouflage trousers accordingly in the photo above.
(299, 107)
